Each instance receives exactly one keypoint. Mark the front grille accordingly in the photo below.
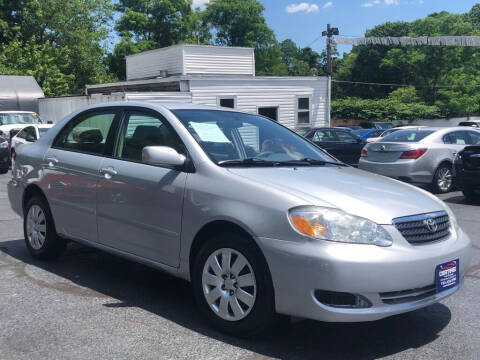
(404, 296)
(425, 228)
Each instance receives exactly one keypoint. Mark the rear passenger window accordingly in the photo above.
(87, 133)
(141, 130)
(474, 138)
(456, 138)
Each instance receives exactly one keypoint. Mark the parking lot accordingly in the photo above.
(92, 305)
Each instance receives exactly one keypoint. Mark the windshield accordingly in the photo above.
(228, 136)
(19, 118)
(407, 136)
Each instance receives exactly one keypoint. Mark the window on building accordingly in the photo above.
(303, 110)
(228, 102)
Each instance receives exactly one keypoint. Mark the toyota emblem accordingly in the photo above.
(431, 225)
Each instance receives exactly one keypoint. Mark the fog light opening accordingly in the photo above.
(342, 300)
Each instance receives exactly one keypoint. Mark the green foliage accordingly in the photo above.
(443, 76)
(381, 109)
(239, 23)
(64, 39)
(39, 61)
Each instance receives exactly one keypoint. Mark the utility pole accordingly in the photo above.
(329, 33)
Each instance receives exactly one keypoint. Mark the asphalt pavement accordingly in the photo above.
(92, 305)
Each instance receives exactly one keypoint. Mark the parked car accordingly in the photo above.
(471, 123)
(467, 172)
(366, 134)
(4, 155)
(389, 131)
(422, 156)
(13, 121)
(376, 125)
(341, 144)
(28, 134)
(351, 127)
(285, 229)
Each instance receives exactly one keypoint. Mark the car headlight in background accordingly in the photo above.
(3, 144)
(336, 225)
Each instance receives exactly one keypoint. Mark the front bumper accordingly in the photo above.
(298, 269)
(412, 171)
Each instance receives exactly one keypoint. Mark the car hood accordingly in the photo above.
(357, 192)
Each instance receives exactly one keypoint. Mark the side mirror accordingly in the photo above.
(162, 155)
(360, 141)
(30, 138)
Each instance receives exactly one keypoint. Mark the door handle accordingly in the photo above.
(52, 161)
(108, 172)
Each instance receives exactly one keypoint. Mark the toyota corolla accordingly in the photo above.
(259, 219)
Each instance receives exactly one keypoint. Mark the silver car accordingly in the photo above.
(260, 220)
(419, 155)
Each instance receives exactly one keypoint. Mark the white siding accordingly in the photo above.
(149, 63)
(214, 60)
(160, 97)
(191, 60)
(265, 92)
(55, 109)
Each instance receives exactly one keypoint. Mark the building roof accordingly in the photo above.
(172, 83)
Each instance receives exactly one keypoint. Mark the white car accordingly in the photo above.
(28, 134)
(16, 120)
(389, 131)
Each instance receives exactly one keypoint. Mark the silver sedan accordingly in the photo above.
(260, 220)
(419, 155)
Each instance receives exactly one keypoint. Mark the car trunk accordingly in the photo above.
(387, 152)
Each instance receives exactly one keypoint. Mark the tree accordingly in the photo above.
(151, 24)
(70, 33)
(239, 23)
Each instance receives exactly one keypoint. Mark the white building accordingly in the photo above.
(207, 75)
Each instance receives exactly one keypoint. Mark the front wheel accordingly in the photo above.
(39, 230)
(443, 179)
(232, 285)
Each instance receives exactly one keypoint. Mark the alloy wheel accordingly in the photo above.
(36, 227)
(229, 284)
(444, 179)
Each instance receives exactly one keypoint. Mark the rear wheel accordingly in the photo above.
(471, 193)
(39, 230)
(443, 179)
(232, 285)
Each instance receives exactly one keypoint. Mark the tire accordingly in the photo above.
(471, 193)
(257, 313)
(39, 230)
(3, 171)
(443, 179)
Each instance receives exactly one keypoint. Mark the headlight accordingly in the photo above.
(336, 225)
(4, 145)
(453, 220)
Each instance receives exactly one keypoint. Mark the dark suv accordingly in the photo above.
(467, 172)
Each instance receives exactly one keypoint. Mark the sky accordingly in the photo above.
(304, 20)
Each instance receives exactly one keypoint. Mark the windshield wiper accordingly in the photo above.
(248, 162)
(308, 162)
